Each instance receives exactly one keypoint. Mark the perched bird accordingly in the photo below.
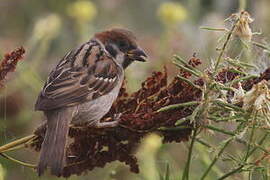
(82, 89)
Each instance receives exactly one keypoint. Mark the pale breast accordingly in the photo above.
(94, 110)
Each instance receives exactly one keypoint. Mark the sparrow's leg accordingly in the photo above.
(114, 123)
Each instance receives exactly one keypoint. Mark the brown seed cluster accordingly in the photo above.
(194, 61)
(247, 85)
(9, 62)
(226, 75)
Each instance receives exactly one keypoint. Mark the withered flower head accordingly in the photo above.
(258, 98)
(242, 29)
(9, 62)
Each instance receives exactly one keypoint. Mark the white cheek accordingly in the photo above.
(120, 58)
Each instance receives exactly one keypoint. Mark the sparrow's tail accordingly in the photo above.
(53, 150)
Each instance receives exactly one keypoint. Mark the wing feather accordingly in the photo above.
(80, 78)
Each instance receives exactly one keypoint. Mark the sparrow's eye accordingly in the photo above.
(123, 44)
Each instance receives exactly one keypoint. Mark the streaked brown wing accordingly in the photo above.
(71, 85)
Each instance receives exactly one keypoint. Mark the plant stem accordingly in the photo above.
(17, 161)
(241, 166)
(173, 128)
(201, 141)
(195, 73)
(231, 172)
(260, 143)
(216, 158)
(213, 29)
(261, 45)
(237, 139)
(219, 130)
(188, 82)
(242, 5)
(16, 143)
(14, 148)
(176, 106)
(242, 79)
(236, 108)
(182, 61)
(250, 138)
(187, 167)
(224, 46)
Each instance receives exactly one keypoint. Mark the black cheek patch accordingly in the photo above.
(126, 62)
(111, 50)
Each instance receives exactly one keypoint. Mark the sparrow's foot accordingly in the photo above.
(114, 123)
(116, 117)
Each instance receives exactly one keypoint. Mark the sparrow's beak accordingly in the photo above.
(137, 55)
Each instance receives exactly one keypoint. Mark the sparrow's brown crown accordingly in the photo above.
(118, 36)
(121, 41)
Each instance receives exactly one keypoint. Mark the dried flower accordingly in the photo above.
(258, 99)
(194, 61)
(238, 94)
(242, 28)
(9, 62)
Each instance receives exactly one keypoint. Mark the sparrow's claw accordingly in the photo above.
(116, 117)
(114, 123)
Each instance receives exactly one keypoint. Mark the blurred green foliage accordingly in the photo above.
(49, 29)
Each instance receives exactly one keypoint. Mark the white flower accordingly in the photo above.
(238, 94)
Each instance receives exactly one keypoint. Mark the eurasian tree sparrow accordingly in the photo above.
(82, 89)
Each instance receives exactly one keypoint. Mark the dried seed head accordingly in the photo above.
(238, 94)
(242, 29)
(9, 62)
(258, 97)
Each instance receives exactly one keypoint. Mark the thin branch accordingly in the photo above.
(225, 45)
(16, 143)
(216, 158)
(18, 162)
(177, 106)
(190, 150)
